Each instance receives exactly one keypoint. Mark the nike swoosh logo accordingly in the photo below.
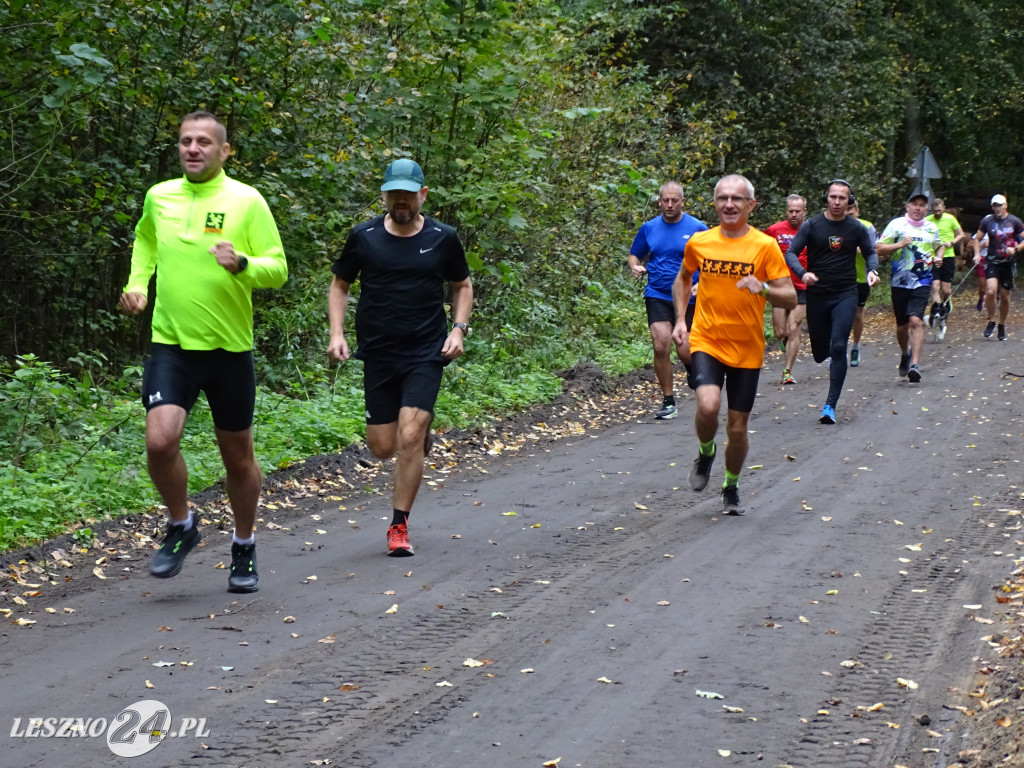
(424, 250)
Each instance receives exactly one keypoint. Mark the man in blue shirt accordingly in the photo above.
(657, 252)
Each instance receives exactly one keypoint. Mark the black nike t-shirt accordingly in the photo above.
(400, 313)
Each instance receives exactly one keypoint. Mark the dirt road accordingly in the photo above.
(616, 619)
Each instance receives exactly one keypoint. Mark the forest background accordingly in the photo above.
(545, 129)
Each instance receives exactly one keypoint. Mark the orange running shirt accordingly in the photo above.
(729, 322)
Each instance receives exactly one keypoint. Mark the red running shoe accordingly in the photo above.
(398, 541)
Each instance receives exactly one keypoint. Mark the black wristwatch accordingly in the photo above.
(462, 327)
(242, 264)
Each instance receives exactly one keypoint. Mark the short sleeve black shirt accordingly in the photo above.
(1003, 234)
(401, 313)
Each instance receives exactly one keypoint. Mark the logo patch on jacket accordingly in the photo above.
(214, 223)
(835, 242)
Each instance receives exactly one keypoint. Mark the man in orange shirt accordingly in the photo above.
(740, 268)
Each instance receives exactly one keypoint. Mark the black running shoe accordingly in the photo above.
(904, 364)
(989, 328)
(243, 576)
(731, 500)
(914, 373)
(701, 471)
(177, 543)
(667, 411)
(1002, 333)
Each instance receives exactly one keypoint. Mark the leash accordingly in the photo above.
(968, 274)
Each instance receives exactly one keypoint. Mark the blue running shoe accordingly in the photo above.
(828, 415)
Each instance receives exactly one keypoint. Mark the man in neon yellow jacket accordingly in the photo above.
(210, 240)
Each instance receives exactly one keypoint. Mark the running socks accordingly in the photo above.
(669, 400)
(708, 448)
(731, 479)
(244, 542)
(399, 517)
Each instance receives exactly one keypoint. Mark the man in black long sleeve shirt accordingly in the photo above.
(832, 239)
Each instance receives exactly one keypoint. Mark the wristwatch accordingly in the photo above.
(242, 264)
(462, 327)
(765, 288)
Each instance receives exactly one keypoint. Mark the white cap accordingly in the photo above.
(998, 199)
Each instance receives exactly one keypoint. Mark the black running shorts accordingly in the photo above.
(395, 384)
(945, 271)
(740, 383)
(1003, 271)
(910, 302)
(175, 376)
(659, 310)
(863, 291)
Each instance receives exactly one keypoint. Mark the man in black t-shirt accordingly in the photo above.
(832, 239)
(404, 259)
(1005, 234)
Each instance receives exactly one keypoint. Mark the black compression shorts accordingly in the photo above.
(175, 376)
(740, 383)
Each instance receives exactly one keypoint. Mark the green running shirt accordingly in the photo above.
(199, 304)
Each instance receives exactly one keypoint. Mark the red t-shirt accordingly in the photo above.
(783, 232)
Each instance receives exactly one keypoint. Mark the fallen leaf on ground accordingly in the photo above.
(392, 609)
(708, 694)
(603, 680)
(872, 708)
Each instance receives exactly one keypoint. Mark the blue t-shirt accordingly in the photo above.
(662, 246)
